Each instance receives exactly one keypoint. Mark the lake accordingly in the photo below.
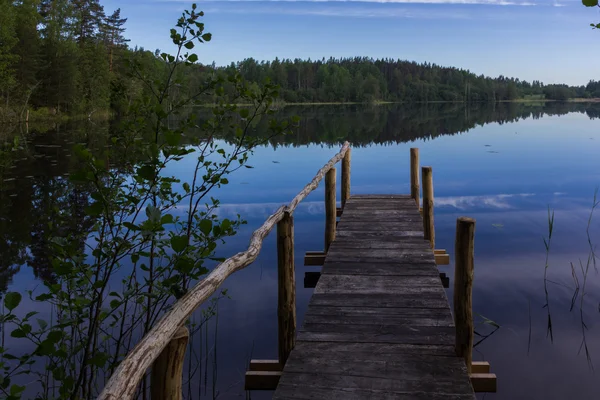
(506, 165)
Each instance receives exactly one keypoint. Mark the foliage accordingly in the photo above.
(142, 235)
(592, 3)
(363, 79)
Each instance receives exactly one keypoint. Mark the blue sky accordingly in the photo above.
(549, 40)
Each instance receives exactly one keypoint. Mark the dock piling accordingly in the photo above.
(414, 175)
(330, 208)
(166, 380)
(463, 288)
(346, 177)
(428, 226)
(286, 304)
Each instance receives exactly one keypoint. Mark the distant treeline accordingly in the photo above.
(362, 79)
(70, 56)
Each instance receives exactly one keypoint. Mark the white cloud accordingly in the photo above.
(499, 201)
(368, 12)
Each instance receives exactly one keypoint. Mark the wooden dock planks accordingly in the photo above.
(378, 325)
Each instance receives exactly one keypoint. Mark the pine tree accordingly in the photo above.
(8, 39)
(112, 35)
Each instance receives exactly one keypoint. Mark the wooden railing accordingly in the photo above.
(163, 348)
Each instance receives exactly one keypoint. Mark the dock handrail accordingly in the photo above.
(124, 382)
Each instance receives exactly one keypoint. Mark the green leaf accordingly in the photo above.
(244, 113)
(135, 257)
(590, 3)
(184, 265)
(16, 390)
(166, 219)
(12, 300)
(131, 226)
(43, 297)
(179, 243)
(206, 226)
(193, 58)
(189, 45)
(146, 172)
(43, 324)
(115, 303)
(95, 209)
(54, 336)
(18, 333)
(186, 187)
(173, 138)
(206, 37)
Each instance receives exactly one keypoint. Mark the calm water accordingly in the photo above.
(503, 165)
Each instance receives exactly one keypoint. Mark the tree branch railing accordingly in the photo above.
(167, 338)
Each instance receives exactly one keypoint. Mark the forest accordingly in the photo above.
(72, 57)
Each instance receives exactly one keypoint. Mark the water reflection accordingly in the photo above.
(509, 164)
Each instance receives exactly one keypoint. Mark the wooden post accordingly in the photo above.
(414, 175)
(346, 177)
(286, 304)
(166, 380)
(330, 217)
(428, 226)
(463, 287)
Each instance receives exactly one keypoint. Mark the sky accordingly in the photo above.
(547, 40)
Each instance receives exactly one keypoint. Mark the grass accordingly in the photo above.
(579, 288)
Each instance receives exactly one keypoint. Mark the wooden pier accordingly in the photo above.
(378, 325)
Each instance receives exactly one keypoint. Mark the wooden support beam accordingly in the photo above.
(480, 367)
(286, 301)
(314, 258)
(330, 207)
(311, 279)
(265, 365)
(339, 211)
(346, 177)
(439, 251)
(428, 226)
(442, 259)
(414, 175)
(262, 380)
(445, 280)
(484, 382)
(166, 379)
(464, 253)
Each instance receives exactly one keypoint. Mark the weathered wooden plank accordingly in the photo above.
(392, 254)
(261, 380)
(375, 384)
(383, 269)
(424, 258)
(483, 382)
(356, 197)
(377, 319)
(421, 285)
(403, 367)
(379, 234)
(379, 311)
(372, 349)
(412, 243)
(378, 207)
(414, 337)
(368, 225)
(433, 300)
(301, 393)
(265, 365)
